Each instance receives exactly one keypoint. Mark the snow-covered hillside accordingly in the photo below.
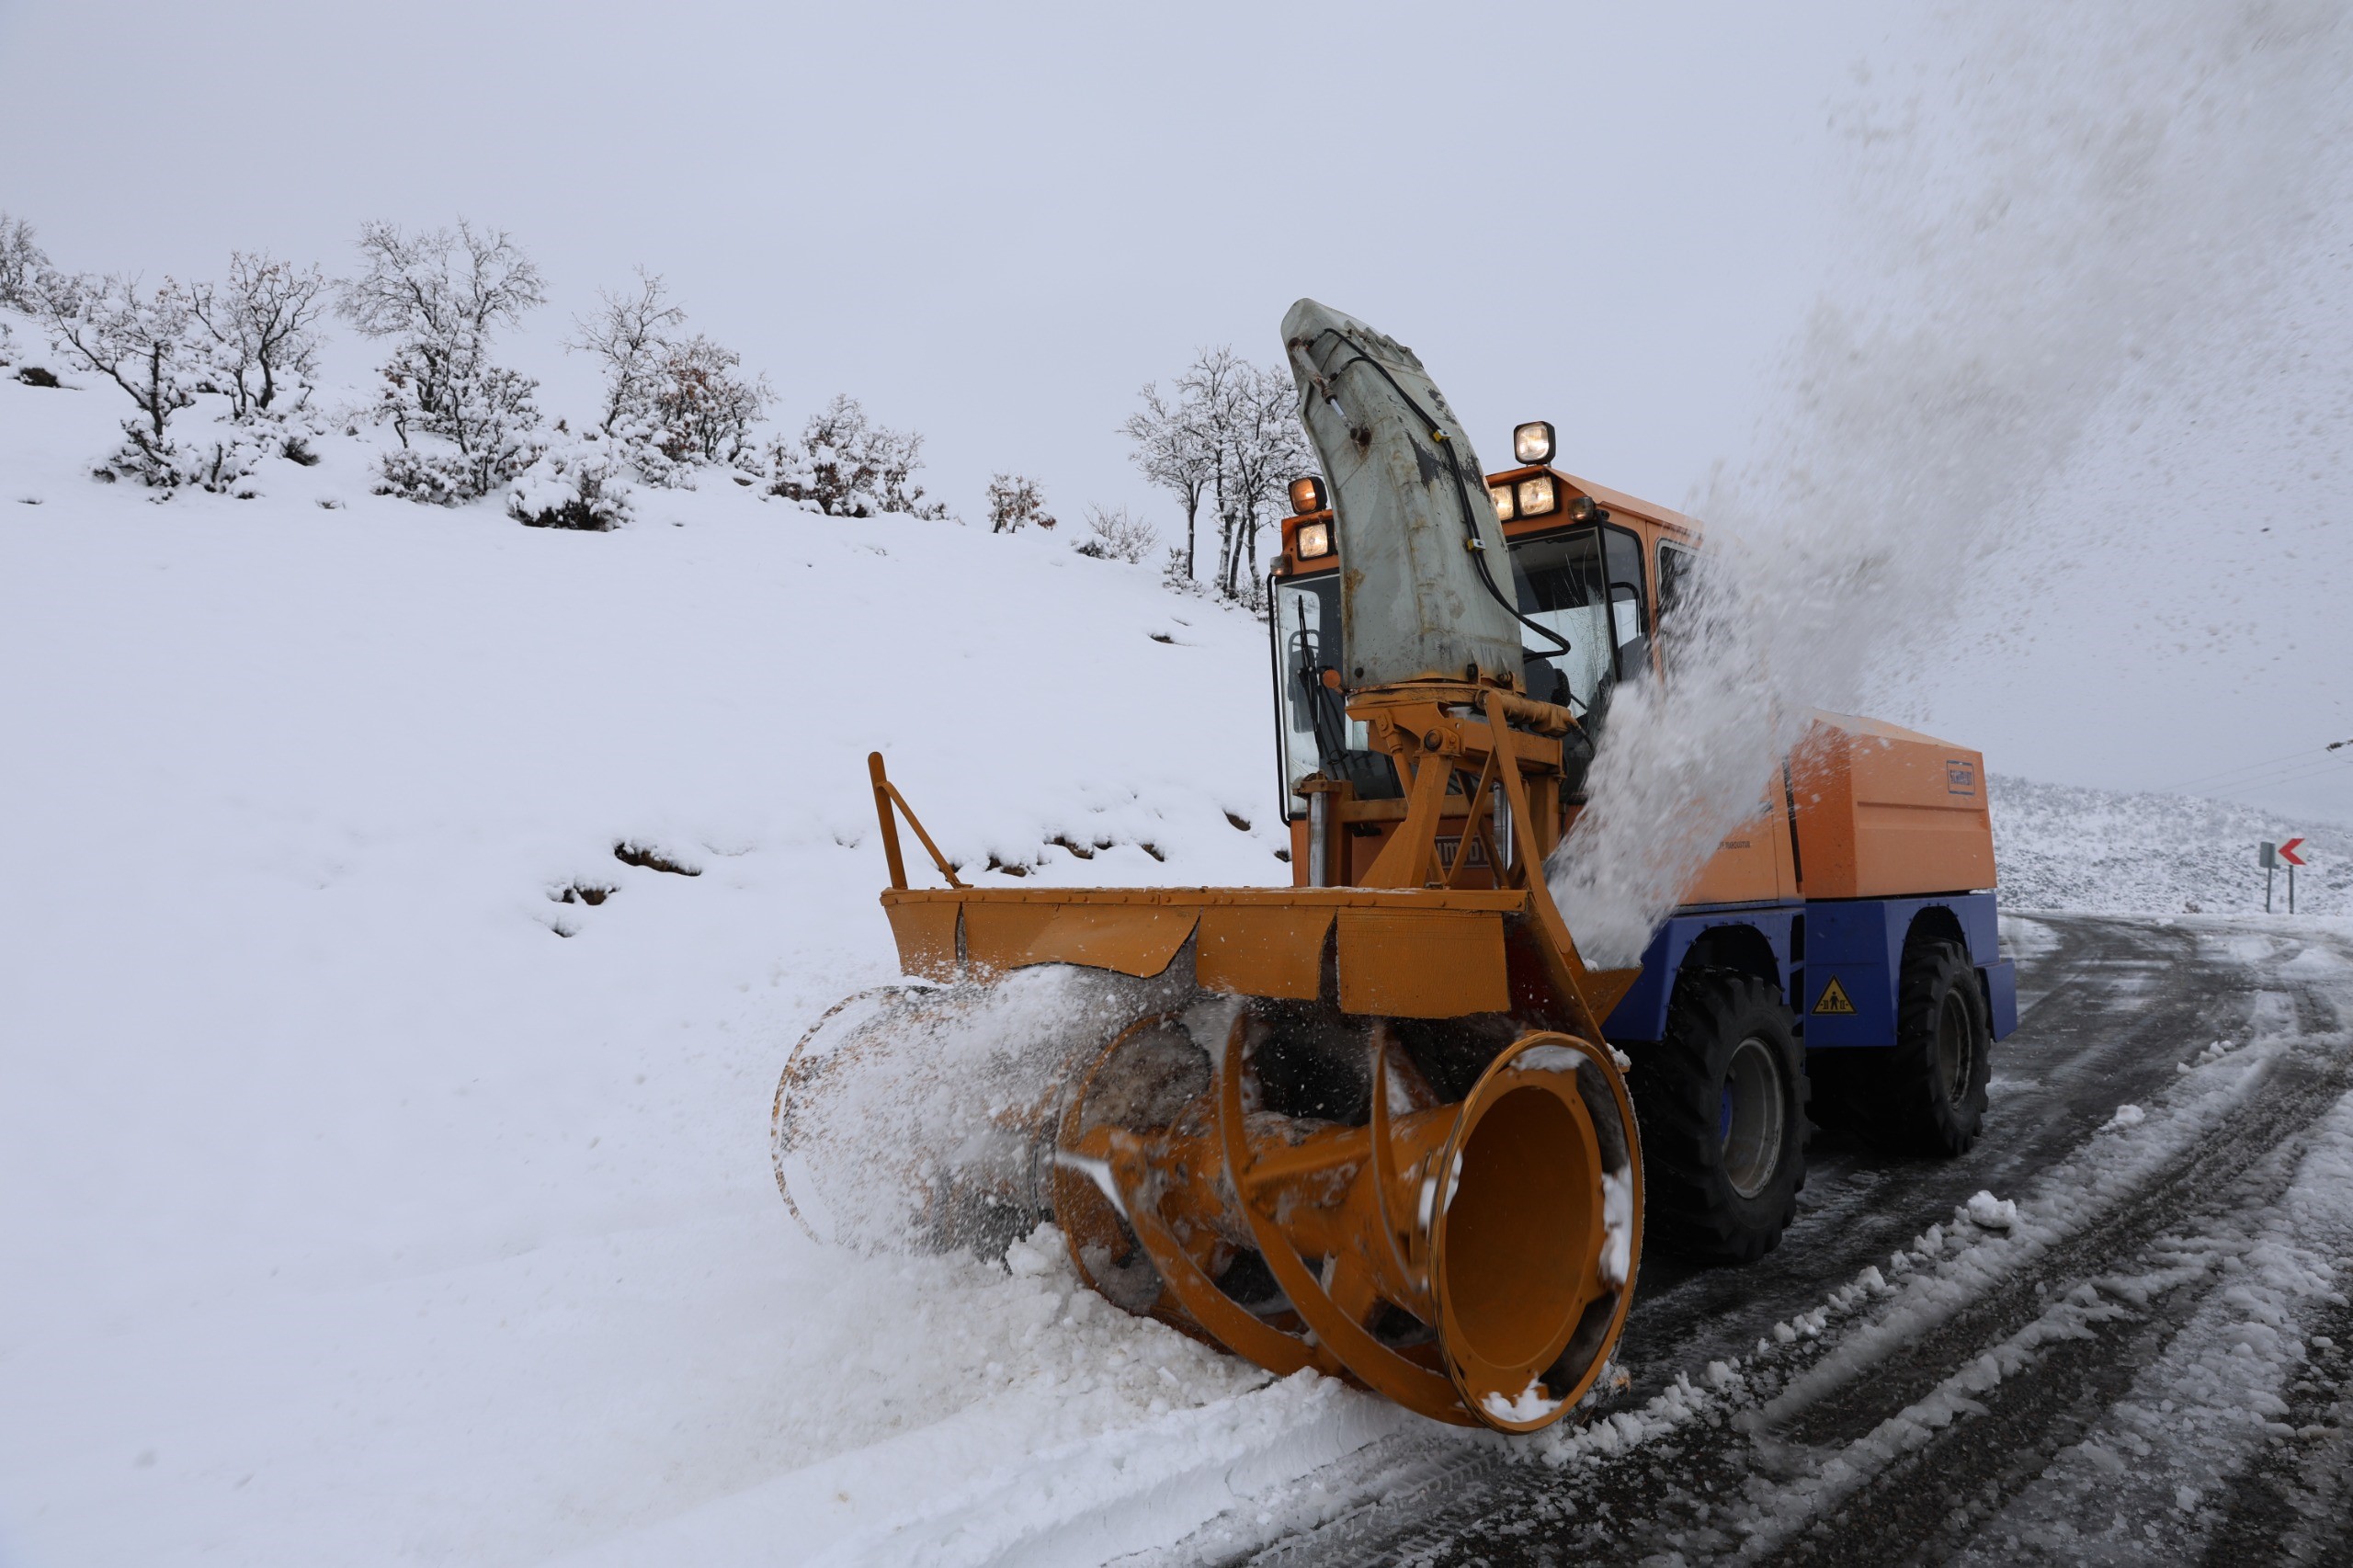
(2062, 846)
(365, 1200)
(384, 1169)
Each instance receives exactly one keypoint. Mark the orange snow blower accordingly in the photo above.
(1371, 1129)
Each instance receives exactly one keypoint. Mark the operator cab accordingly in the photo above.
(1594, 566)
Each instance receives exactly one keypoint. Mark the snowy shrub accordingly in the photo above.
(21, 264)
(672, 403)
(1176, 570)
(575, 483)
(148, 343)
(221, 456)
(1113, 535)
(262, 321)
(1016, 502)
(465, 425)
(703, 410)
(845, 466)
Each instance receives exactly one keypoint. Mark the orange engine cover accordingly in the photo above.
(1883, 811)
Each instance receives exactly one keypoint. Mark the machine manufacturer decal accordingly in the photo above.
(1449, 847)
(1961, 778)
(1834, 999)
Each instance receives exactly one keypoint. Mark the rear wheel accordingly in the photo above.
(1929, 1093)
(1721, 1100)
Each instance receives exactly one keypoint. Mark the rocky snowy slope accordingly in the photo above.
(407, 916)
(2062, 846)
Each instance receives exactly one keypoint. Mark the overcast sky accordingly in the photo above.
(991, 224)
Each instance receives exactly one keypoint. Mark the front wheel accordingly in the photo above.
(1721, 1100)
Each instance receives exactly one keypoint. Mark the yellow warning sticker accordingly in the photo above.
(1834, 999)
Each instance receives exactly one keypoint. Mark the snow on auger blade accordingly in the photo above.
(1271, 1177)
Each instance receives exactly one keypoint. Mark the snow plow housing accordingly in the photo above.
(1470, 1256)
(1378, 1123)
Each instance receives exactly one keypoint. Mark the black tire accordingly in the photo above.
(1928, 1093)
(1721, 1101)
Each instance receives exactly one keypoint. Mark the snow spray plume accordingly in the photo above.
(923, 1119)
(2103, 187)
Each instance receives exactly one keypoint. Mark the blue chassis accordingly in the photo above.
(1857, 943)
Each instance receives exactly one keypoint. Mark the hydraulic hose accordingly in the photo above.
(1476, 545)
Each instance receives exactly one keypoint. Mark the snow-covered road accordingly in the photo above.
(2137, 1348)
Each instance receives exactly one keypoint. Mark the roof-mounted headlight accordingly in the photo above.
(1314, 540)
(1537, 497)
(1501, 495)
(1532, 442)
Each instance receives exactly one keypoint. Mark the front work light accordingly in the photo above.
(1537, 496)
(1532, 442)
(1307, 495)
(1314, 539)
(1501, 495)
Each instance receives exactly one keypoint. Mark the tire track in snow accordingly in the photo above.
(2294, 1502)
(1929, 1477)
(2291, 1091)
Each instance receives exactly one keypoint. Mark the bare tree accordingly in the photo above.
(670, 402)
(1264, 449)
(21, 264)
(1174, 449)
(631, 333)
(846, 466)
(1231, 439)
(263, 324)
(143, 340)
(439, 297)
(1016, 502)
(1112, 534)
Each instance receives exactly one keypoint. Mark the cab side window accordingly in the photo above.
(1674, 570)
(1629, 628)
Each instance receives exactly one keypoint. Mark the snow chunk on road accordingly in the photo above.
(1993, 1213)
(2126, 1116)
(1532, 1404)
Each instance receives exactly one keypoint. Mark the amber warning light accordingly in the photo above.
(1307, 495)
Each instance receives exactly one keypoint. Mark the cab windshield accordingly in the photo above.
(1585, 584)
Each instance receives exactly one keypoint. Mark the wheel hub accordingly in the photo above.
(1956, 1047)
(1751, 1118)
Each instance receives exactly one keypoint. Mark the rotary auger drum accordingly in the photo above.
(1269, 1175)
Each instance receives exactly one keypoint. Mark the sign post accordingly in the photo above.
(2288, 853)
(2266, 855)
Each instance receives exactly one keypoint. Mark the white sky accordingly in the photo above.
(992, 226)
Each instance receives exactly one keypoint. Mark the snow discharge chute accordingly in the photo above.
(1369, 1128)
